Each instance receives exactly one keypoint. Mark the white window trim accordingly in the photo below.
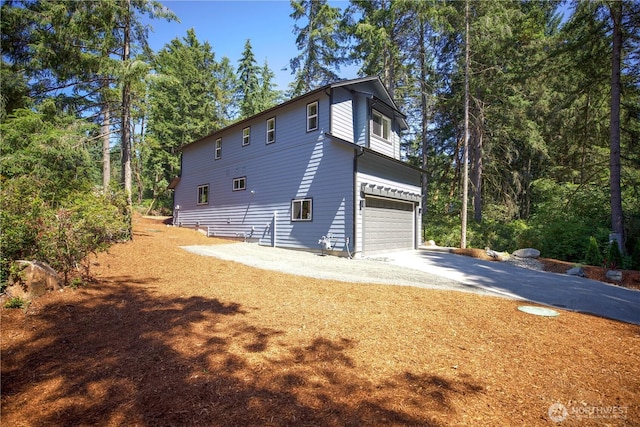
(312, 116)
(301, 202)
(204, 187)
(271, 131)
(218, 148)
(246, 139)
(383, 119)
(240, 180)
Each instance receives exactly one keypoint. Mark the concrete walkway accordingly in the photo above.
(558, 290)
(444, 271)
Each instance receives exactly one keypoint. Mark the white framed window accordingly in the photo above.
(246, 136)
(203, 194)
(271, 130)
(312, 116)
(218, 153)
(381, 125)
(302, 210)
(240, 184)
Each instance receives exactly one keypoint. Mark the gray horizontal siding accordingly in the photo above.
(342, 115)
(299, 164)
(375, 170)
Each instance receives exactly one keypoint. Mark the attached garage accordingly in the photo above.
(388, 225)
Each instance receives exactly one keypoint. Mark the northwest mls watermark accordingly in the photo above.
(558, 412)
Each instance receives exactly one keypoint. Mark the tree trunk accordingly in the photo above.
(106, 148)
(617, 219)
(465, 155)
(476, 176)
(424, 119)
(126, 108)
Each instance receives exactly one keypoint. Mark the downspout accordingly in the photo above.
(330, 94)
(275, 221)
(356, 205)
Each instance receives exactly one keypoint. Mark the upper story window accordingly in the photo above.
(246, 135)
(302, 210)
(312, 116)
(381, 125)
(271, 130)
(203, 194)
(240, 184)
(218, 153)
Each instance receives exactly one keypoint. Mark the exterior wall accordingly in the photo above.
(298, 164)
(342, 115)
(361, 119)
(374, 170)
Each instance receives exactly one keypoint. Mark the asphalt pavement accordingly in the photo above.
(542, 287)
(446, 271)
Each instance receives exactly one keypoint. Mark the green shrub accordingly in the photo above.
(635, 256)
(613, 259)
(89, 224)
(593, 255)
(63, 236)
(15, 302)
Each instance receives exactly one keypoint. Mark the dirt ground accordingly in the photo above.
(164, 337)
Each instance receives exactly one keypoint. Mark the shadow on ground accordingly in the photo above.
(119, 355)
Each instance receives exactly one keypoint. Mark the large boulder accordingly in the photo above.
(614, 275)
(576, 271)
(34, 278)
(527, 253)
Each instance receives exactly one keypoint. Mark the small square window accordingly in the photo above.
(218, 154)
(381, 125)
(271, 130)
(302, 210)
(203, 194)
(240, 184)
(246, 135)
(312, 116)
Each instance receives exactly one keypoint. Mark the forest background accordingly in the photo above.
(92, 120)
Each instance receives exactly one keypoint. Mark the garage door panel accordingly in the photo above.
(388, 225)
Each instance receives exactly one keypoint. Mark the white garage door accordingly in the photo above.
(388, 225)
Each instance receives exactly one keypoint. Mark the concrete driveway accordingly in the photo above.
(444, 271)
(558, 290)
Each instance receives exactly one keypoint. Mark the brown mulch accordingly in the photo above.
(630, 278)
(165, 337)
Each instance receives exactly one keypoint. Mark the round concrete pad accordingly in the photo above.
(538, 311)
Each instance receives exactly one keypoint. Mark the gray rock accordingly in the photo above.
(499, 256)
(614, 275)
(527, 253)
(34, 279)
(576, 271)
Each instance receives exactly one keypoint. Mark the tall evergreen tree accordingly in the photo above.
(269, 95)
(381, 39)
(248, 82)
(82, 48)
(318, 42)
(185, 98)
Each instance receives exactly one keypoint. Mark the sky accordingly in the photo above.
(227, 25)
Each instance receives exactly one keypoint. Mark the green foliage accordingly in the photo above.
(563, 215)
(48, 208)
(87, 224)
(635, 256)
(613, 258)
(318, 45)
(593, 255)
(62, 235)
(15, 302)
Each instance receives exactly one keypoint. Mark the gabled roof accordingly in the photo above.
(350, 84)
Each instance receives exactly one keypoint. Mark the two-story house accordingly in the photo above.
(326, 163)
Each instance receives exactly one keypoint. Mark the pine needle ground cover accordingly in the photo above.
(166, 337)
